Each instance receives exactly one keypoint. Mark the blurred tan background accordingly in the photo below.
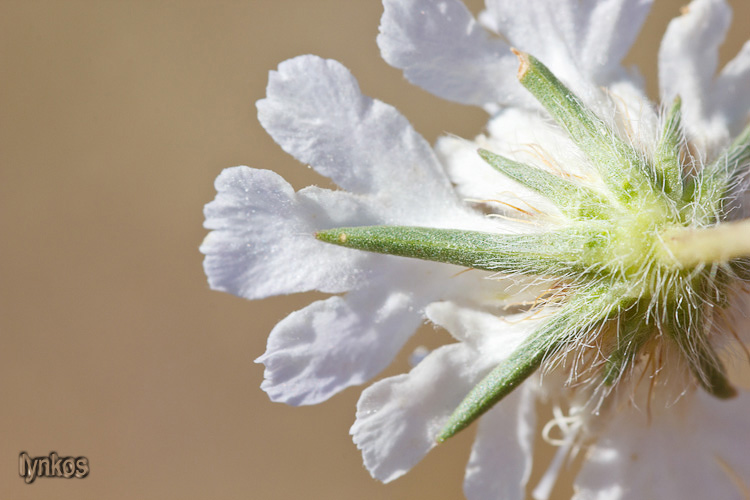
(115, 118)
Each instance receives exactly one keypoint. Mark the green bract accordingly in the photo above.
(644, 255)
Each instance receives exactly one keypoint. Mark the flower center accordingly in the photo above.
(647, 249)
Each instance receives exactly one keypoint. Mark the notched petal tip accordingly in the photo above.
(398, 417)
(320, 350)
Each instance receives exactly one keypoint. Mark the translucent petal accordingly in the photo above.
(315, 111)
(580, 41)
(501, 457)
(688, 58)
(440, 47)
(399, 417)
(694, 449)
(732, 90)
(335, 343)
(260, 226)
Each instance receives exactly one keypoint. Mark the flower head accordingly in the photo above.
(605, 238)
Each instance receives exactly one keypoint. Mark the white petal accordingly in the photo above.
(501, 457)
(531, 26)
(441, 48)
(496, 337)
(577, 40)
(335, 343)
(695, 449)
(527, 137)
(398, 418)
(523, 136)
(636, 118)
(733, 98)
(688, 55)
(261, 227)
(314, 110)
(688, 58)
(477, 181)
(610, 27)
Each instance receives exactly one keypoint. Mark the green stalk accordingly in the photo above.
(689, 247)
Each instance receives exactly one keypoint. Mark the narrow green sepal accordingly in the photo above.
(574, 200)
(714, 379)
(667, 164)
(710, 188)
(621, 167)
(633, 331)
(505, 378)
(585, 311)
(554, 253)
(688, 332)
(738, 154)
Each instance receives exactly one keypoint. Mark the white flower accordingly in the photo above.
(609, 250)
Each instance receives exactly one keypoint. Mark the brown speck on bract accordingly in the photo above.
(523, 58)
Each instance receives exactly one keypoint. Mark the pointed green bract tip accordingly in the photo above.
(484, 154)
(335, 236)
(499, 383)
(574, 200)
(621, 166)
(581, 312)
(722, 389)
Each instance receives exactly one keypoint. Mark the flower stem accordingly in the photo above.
(717, 244)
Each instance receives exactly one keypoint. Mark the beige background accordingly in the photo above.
(115, 118)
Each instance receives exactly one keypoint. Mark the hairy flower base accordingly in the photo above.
(645, 252)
